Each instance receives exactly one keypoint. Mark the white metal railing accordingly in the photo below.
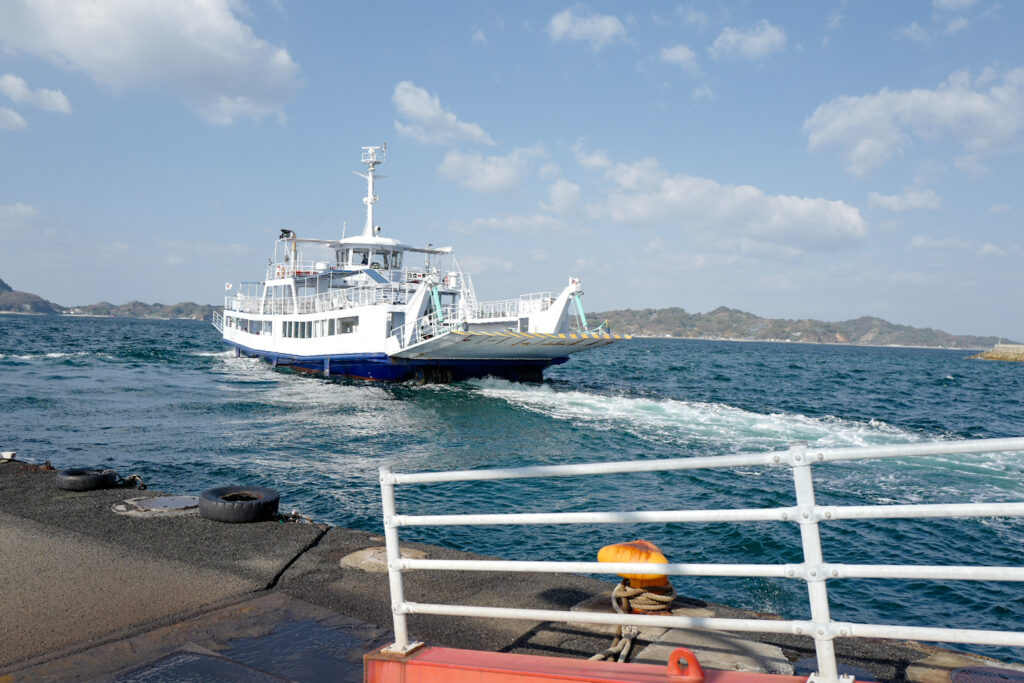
(806, 513)
(218, 321)
(338, 299)
(512, 308)
(428, 327)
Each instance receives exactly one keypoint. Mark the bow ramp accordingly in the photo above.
(459, 344)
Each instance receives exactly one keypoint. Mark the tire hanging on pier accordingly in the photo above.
(238, 504)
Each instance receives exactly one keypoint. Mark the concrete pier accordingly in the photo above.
(91, 594)
(1008, 352)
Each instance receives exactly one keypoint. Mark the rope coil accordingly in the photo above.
(627, 599)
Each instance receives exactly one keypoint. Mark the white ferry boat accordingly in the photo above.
(371, 307)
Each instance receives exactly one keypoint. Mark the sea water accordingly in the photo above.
(165, 400)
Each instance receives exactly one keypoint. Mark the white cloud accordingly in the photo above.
(539, 223)
(835, 20)
(479, 37)
(984, 249)
(197, 52)
(999, 209)
(17, 89)
(599, 30)
(644, 194)
(11, 120)
(18, 218)
(680, 55)
(915, 32)
(487, 174)
(871, 129)
(429, 121)
(910, 199)
(564, 197)
(590, 160)
(703, 92)
(693, 16)
(549, 171)
(953, 5)
(956, 25)
(756, 42)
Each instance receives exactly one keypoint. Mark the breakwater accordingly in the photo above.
(1008, 352)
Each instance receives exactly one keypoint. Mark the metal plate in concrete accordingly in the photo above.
(717, 650)
(193, 666)
(158, 506)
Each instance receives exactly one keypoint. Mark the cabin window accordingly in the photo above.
(330, 327)
(306, 331)
(348, 325)
(396, 260)
(360, 257)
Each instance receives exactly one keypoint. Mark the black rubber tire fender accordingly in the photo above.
(86, 479)
(238, 504)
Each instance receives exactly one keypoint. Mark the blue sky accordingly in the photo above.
(815, 159)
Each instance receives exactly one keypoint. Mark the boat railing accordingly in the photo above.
(318, 303)
(284, 269)
(428, 326)
(513, 308)
(218, 321)
(807, 514)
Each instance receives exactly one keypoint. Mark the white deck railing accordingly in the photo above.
(806, 513)
(512, 308)
(428, 327)
(338, 299)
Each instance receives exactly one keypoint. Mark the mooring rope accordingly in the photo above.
(627, 599)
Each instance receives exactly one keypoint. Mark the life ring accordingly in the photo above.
(238, 504)
(86, 479)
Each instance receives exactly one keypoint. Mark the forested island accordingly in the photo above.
(730, 323)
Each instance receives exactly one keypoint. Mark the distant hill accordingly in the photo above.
(730, 323)
(13, 301)
(137, 309)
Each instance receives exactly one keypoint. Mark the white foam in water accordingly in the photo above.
(51, 356)
(672, 421)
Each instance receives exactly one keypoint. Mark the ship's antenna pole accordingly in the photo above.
(371, 157)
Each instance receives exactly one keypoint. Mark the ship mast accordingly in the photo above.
(371, 157)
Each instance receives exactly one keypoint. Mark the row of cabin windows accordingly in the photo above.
(382, 260)
(250, 326)
(310, 329)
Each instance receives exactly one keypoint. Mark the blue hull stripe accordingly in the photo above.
(380, 366)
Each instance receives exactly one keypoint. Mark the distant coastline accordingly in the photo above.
(730, 324)
(721, 324)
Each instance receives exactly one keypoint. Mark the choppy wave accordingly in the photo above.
(685, 422)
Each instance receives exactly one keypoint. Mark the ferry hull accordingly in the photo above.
(381, 367)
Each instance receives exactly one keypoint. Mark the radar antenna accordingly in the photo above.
(372, 156)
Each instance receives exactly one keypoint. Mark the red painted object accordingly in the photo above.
(449, 665)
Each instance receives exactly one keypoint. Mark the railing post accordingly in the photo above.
(810, 539)
(387, 496)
